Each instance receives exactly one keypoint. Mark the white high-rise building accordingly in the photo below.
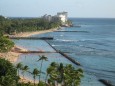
(62, 16)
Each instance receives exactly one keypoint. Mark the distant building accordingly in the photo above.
(62, 16)
(47, 17)
(55, 18)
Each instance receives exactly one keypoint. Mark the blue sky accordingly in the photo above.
(75, 8)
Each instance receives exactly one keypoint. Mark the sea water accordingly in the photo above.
(90, 41)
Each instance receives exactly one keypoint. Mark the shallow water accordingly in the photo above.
(31, 60)
(34, 45)
(93, 45)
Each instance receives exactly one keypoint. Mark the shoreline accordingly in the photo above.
(27, 34)
(26, 80)
(14, 54)
(10, 56)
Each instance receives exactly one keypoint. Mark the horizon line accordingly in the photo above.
(68, 17)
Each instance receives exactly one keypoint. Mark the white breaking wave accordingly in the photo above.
(68, 40)
(55, 45)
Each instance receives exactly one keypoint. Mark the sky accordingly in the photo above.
(75, 8)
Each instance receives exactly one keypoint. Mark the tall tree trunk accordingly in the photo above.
(34, 80)
(40, 70)
(23, 75)
(46, 78)
(18, 72)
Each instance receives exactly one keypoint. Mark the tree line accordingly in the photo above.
(5, 43)
(17, 25)
(56, 74)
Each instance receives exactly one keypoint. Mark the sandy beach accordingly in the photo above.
(27, 34)
(14, 54)
(11, 56)
(26, 80)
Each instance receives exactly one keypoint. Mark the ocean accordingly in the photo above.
(91, 41)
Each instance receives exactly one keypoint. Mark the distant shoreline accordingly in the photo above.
(27, 34)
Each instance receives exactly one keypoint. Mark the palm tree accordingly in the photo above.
(19, 67)
(68, 74)
(78, 73)
(61, 72)
(49, 70)
(64, 75)
(42, 58)
(24, 69)
(35, 73)
(54, 64)
(72, 76)
(54, 73)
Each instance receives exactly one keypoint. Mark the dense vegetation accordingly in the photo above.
(8, 75)
(56, 74)
(5, 43)
(16, 25)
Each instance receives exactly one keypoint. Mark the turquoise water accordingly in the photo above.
(34, 45)
(93, 45)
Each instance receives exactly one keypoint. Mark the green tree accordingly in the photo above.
(17, 25)
(61, 72)
(2, 18)
(49, 69)
(8, 75)
(19, 67)
(72, 75)
(42, 58)
(35, 73)
(24, 69)
(5, 44)
(64, 75)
